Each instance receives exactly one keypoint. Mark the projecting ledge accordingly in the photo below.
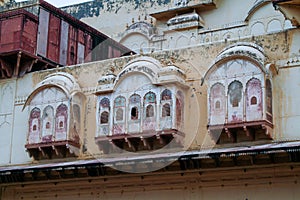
(54, 149)
(145, 141)
(241, 131)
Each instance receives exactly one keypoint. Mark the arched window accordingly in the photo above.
(149, 111)
(134, 106)
(135, 99)
(119, 114)
(34, 126)
(166, 95)
(119, 105)
(134, 113)
(149, 103)
(104, 103)
(217, 102)
(61, 119)
(34, 120)
(254, 106)
(166, 110)
(235, 93)
(48, 120)
(149, 121)
(150, 97)
(104, 110)
(104, 117)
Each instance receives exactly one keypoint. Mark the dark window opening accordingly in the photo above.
(134, 113)
(253, 100)
(166, 110)
(235, 93)
(34, 127)
(104, 117)
(61, 124)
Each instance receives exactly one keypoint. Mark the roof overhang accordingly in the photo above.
(267, 154)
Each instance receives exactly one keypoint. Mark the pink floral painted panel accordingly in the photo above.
(217, 102)
(235, 101)
(254, 109)
(48, 124)
(61, 119)
(34, 126)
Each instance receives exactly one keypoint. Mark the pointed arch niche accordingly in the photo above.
(55, 117)
(146, 112)
(240, 95)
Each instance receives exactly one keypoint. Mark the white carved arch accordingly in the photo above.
(61, 80)
(248, 51)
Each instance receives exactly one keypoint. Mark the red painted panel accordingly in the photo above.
(88, 48)
(81, 37)
(117, 53)
(72, 47)
(53, 38)
(11, 33)
(29, 36)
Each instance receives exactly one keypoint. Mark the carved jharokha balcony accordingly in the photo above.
(145, 141)
(53, 149)
(241, 131)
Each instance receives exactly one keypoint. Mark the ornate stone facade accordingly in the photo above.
(207, 104)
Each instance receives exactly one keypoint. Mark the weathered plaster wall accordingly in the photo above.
(112, 16)
(225, 22)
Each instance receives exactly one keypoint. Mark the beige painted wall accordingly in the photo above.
(193, 61)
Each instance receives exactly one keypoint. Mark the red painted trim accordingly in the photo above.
(19, 12)
(81, 25)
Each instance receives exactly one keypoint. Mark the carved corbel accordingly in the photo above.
(27, 67)
(246, 131)
(145, 142)
(229, 134)
(55, 150)
(16, 70)
(161, 140)
(6, 70)
(43, 152)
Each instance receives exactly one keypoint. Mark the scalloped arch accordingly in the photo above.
(64, 81)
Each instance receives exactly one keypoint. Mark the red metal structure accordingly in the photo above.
(41, 36)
